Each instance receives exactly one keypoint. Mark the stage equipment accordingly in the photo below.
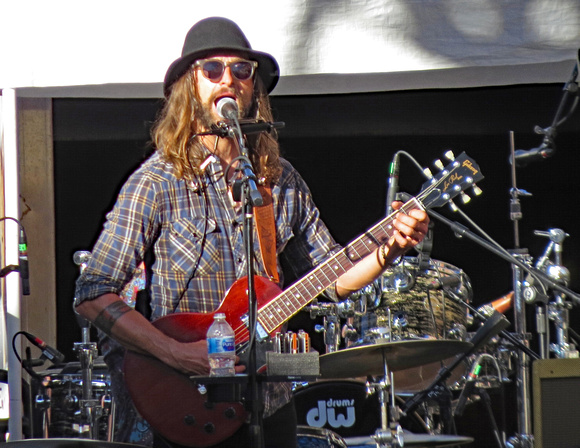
(556, 390)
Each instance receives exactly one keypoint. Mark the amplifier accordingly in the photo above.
(556, 393)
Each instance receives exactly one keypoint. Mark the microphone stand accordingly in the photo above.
(524, 438)
(246, 191)
(548, 146)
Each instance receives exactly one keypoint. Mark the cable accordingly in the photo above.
(24, 365)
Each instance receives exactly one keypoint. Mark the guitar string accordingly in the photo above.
(268, 308)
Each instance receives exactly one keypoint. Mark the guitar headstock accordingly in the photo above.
(452, 180)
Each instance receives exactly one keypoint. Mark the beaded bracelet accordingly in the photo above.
(383, 251)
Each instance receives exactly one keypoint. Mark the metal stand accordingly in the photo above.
(92, 410)
(245, 190)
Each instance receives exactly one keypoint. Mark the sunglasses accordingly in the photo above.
(213, 69)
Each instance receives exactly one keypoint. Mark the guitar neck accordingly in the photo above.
(298, 295)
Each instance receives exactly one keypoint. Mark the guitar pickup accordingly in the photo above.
(261, 333)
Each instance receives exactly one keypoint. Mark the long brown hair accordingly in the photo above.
(174, 131)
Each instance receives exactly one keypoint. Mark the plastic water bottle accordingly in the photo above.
(221, 347)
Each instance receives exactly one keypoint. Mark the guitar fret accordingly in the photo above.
(298, 295)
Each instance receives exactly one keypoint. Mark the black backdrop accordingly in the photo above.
(342, 145)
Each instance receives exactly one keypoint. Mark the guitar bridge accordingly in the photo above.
(261, 333)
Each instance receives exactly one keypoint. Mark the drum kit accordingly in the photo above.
(390, 349)
(399, 364)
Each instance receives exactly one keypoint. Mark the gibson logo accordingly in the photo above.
(327, 412)
(467, 164)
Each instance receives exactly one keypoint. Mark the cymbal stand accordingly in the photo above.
(390, 433)
(558, 310)
(91, 409)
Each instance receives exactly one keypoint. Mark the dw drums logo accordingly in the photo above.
(337, 413)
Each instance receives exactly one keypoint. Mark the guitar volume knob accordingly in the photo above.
(189, 420)
(230, 413)
(209, 428)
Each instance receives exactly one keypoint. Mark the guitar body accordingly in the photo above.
(168, 399)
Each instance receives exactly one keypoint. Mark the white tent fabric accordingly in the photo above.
(323, 46)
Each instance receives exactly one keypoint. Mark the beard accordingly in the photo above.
(204, 114)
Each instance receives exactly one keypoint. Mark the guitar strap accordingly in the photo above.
(266, 227)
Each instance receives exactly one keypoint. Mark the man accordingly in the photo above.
(178, 208)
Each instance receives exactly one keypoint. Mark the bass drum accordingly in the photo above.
(309, 437)
(58, 412)
(415, 303)
(345, 408)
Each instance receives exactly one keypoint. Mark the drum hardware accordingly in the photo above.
(375, 360)
(437, 390)
(414, 440)
(92, 409)
(332, 313)
(557, 310)
(472, 388)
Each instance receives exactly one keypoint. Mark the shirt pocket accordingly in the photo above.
(195, 242)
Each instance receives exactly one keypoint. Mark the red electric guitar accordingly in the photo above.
(174, 405)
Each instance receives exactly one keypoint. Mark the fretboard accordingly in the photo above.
(298, 295)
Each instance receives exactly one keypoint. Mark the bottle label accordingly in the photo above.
(221, 345)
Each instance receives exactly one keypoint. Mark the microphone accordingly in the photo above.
(468, 388)
(48, 352)
(227, 108)
(23, 262)
(523, 157)
(500, 305)
(393, 184)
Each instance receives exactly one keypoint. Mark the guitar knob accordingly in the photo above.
(230, 413)
(189, 420)
(209, 428)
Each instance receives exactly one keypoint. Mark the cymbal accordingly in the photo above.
(368, 359)
(414, 440)
(64, 443)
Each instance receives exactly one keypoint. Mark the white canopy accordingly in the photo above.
(123, 48)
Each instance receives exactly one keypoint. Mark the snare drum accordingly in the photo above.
(309, 437)
(58, 404)
(415, 304)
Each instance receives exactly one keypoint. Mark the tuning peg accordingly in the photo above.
(439, 164)
(465, 198)
(449, 155)
(427, 172)
(453, 207)
(476, 190)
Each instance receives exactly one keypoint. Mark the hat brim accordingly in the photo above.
(268, 69)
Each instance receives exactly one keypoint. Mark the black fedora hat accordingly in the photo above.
(217, 34)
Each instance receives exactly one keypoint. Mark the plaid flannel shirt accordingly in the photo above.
(194, 228)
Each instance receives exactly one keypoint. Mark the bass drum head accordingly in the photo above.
(309, 437)
(339, 406)
(344, 407)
